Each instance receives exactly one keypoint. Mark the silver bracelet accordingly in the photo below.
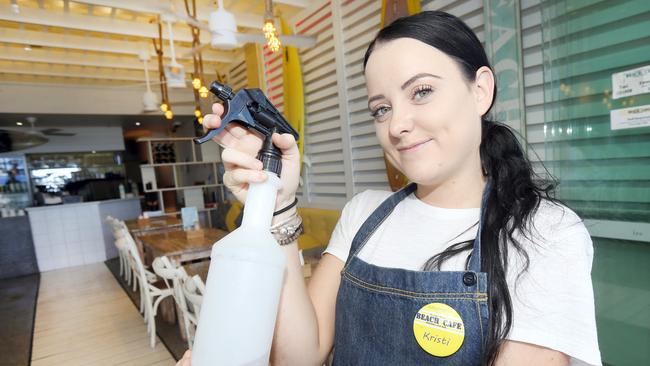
(288, 231)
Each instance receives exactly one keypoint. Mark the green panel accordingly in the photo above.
(617, 211)
(603, 174)
(615, 169)
(605, 191)
(590, 107)
(620, 275)
(620, 57)
(503, 46)
(586, 128)
(620, 31)
(635, 146)
(569, 20)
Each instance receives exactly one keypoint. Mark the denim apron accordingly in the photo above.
(376, 306)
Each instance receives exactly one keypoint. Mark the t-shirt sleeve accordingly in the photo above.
(340, 241)
(352, 217)
(553, 301)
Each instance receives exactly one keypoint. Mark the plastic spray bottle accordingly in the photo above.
(244, 283)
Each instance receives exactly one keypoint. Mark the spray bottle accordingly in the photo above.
(245, 278)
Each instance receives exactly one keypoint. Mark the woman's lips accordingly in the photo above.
(413, 147)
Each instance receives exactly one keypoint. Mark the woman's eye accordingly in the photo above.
(422, 92)
(379, 112)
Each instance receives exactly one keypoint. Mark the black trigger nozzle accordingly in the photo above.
(222, 91)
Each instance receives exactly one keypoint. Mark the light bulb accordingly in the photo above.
(169, 114)
(200, 120)
(164, 107)
(274, 44)
(196, 83)
(197, 113)
(203, 92)
(268, 29)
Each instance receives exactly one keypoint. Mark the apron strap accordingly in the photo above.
(376, 218)
(475, 258)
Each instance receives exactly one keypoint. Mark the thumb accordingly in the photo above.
(287, 145)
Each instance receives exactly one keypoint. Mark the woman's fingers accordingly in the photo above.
(217, 108)
(232, 157)
(240, 178)
(233, 132)
(213, 120)
(241, 169)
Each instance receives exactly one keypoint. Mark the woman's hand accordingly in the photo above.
(240, 147)
(186, 360)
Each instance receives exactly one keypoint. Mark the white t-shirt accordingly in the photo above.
(553, 301)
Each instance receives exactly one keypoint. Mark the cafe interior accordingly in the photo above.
(110, 208)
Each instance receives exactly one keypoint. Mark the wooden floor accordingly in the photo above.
(83, 317)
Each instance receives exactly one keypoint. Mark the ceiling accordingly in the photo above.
(98, 41)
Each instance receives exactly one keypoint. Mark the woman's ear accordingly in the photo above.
(484, 89)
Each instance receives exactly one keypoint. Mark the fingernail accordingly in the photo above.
(261, 175)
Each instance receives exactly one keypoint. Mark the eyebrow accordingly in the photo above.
(418, 76)
(405, 85)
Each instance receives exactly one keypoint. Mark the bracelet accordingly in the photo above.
(288, 231)
(285, 209)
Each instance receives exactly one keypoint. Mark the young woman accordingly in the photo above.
(473, 263)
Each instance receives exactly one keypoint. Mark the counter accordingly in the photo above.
(76, 233)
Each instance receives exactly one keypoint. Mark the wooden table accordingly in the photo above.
(153, 224)
(158, 224)
(177, 246)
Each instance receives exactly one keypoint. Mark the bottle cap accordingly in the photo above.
(270, 155)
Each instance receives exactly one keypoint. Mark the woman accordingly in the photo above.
(472, 264)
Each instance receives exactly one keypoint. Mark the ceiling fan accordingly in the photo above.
(16, 139)
(174, 72)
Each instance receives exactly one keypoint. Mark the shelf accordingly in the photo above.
(199, 210)
(185, 187)
(180, 164)
(157, 139)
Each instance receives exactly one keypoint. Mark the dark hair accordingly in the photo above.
(516, 190)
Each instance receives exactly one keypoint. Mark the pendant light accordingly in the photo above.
(149, 99)
(158, 46)
(174, 72)
(269, 29)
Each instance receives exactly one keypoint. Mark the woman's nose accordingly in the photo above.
(400, 123)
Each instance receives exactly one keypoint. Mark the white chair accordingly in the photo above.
(131, 277)
(150, 295)
(163, 267)
(193, 289)
(125, 269)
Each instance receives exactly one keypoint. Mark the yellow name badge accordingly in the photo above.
(438, 329)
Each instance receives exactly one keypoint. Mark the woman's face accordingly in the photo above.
(427, 115)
